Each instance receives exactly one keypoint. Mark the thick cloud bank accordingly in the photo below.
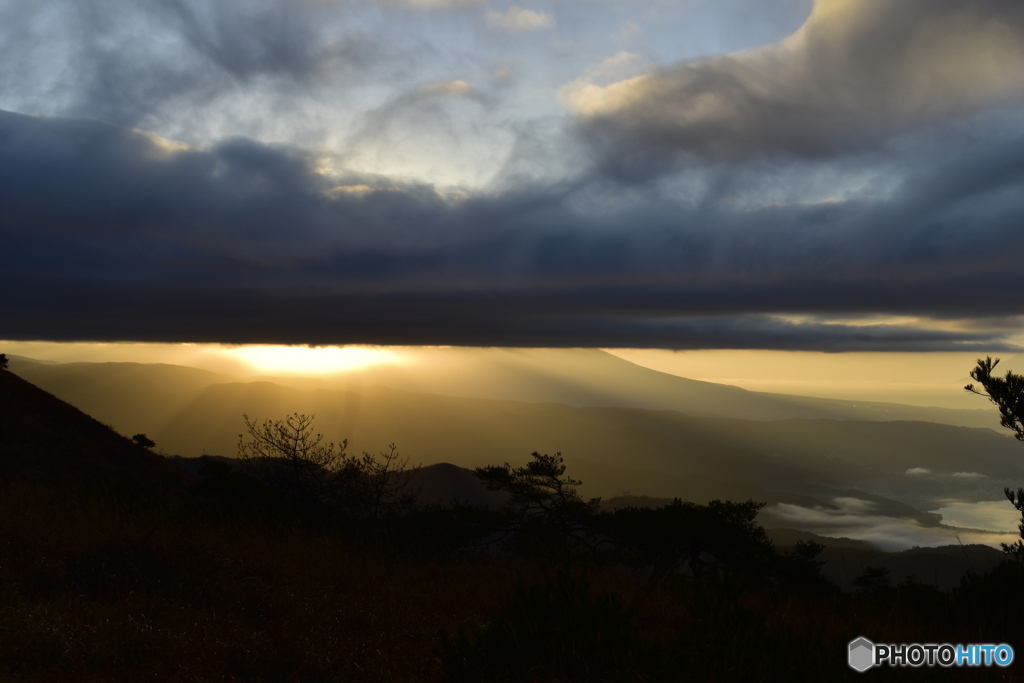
(110, 233)
(403, 173)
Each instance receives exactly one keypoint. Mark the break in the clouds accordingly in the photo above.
(497, 174)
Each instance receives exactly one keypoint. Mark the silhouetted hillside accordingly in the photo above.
(438, 484)
(846, 559)
(47, 441)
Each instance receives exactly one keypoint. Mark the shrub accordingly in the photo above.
(320, 479)
(554, 631)
(544, 509)
(693, 538)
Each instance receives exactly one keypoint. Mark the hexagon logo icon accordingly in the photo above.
(862, 654)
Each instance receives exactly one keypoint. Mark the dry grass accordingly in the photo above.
(94, 590)
(97, 589)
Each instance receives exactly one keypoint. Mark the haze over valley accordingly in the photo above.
(873, 471)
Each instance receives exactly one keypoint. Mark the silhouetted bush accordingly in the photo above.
(555, 631)
(874, 581)
(115, 567)
(992, 602)
(689, 537)
(922, 598)
(1016, 549)
(799, 568)
(544, 509)
(236, 494)
(733, 639)
(289, 456)
(441, 530)
(320, 480)
(143, 440)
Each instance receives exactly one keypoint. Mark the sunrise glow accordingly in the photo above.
(307, 360)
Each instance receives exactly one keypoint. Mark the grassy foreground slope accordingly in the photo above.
(114, 568)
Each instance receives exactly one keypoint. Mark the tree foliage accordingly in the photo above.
(143, 440)
(1006, 392)
(288, 455)
(3, 361)
(540, 496)
(557, 630)
(1016, 549)
(390, 483)
(693, 538)
(321, 477)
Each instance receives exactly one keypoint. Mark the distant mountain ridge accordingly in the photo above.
(656, 452)
(816, 474)
(595, 378)
(574, 377)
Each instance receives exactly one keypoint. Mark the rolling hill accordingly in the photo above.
(44, 440)
(819, 464)
(806, 459)
(831, 476)
(574, 377)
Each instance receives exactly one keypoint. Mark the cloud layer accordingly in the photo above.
(854, 74)
(111, 234)
(281, 172)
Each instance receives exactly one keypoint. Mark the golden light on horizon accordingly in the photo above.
(307, 360)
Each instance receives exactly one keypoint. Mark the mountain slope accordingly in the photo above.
(576, 377)
(45, 440)
(658, 452)
(655, 452)
(824, 475)
(590, 377)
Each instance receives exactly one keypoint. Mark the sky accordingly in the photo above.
(779, 175)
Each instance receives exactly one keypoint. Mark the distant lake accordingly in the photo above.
(989, 522)
(988, 515)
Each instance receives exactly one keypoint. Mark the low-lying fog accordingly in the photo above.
(985, 522)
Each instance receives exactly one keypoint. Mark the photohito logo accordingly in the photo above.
(864, 654)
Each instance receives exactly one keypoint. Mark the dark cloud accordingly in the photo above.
(109, 233)
(856, 74)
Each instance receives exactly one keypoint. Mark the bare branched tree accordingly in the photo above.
(289, 456)
(321, 477)
(390, 482)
